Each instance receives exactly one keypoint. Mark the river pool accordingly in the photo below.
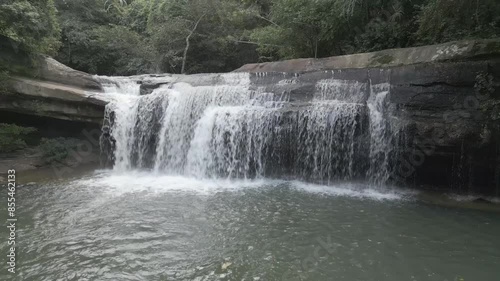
(141, 226)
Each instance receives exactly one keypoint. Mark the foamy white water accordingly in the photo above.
(117, 184)
(119, 85)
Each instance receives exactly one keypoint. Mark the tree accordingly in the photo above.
(299, 28)
(320, 28)
(95, 40)
(31, 23)
(448, 20)
(389, 24)
(186, 49)
(122, 37)
(199, 35)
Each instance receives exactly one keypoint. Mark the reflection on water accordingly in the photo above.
(144, 227)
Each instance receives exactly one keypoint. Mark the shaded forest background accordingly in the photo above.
(126, 37)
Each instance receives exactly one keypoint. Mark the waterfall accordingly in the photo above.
(344, 90)
(225, 126)
(119, 85)
(328, 131)
(186, 113)
(380, 133)
(237, 139)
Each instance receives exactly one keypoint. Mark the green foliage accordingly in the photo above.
(136, 15)
(13, 137)
(215, 43)
(95, 41)
(32, 23)
(128, 52)
(276, 43)
(58, 149)
(448, 20)
(124, 37)
(299, 28)
(26, 28)
(379, 34)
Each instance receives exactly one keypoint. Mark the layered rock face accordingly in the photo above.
(41, 86)
(55, 100)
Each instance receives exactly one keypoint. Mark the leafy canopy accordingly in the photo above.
(124, 37)
(32, 23)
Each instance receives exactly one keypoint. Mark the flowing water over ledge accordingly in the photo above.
(145, 226)
(233, 128)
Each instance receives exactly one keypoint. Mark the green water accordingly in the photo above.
(108, 226)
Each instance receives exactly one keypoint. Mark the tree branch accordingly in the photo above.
(184, 57)
(268, 20)
(256, 43)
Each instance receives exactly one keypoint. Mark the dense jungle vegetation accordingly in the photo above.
(124, 37)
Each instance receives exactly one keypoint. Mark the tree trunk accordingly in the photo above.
(316, 48)
(69, 52)
(184, 56)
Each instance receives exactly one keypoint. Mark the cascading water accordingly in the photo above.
(185, 113)
(381, 135)
(328, 131)
(119, 85)
(227, 127)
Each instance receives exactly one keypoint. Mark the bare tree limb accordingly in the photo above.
(268, 20)
(256, 43)
(184, 56)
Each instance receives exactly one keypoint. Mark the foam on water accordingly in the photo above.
(115, 184)
(353, 190)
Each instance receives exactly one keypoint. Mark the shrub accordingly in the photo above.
(58, 149)
(13, 137)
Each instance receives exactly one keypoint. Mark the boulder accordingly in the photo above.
(54, 100)
(49, 69)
